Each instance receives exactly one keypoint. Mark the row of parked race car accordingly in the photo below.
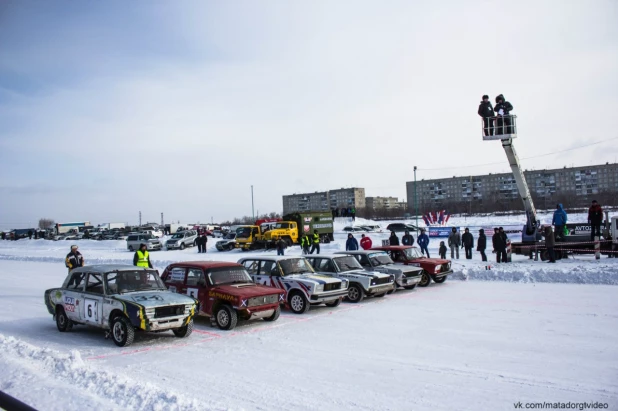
(123, 299)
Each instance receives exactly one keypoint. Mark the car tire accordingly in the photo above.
(275, 315)
(410, 287)
(182, 246)
(122, 331)
(130, 248)
(334, 303)
(298, 303)
(355, 293)
(439, 280)
(380, 295)
(62, 321)
(425, 280)
(184, 332)
(231, 247)
(226, 317)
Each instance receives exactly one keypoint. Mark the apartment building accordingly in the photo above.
(377, 203)
(325, 200)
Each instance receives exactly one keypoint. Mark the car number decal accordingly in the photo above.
(91, 309)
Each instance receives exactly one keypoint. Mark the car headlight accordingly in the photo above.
(373, 282)
(344, 283)
(319, 288)
(437, 270)
(392, 279)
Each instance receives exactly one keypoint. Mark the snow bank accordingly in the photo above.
(71, 370)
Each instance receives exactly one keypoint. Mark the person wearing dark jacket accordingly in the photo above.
(74, 259)
(281, 246)
(481, 244)
(454, 242)
(29, 234)
(486, 111)
(141, 258)
(393, 239)
(550, 243)
(499, 244)
(204, 242)
(502, 109)
(315, 242)
(351, 244)
(199, 243)
(595, 218)
(467, 242)
(407, 239)
(423, 242)
(442, 250)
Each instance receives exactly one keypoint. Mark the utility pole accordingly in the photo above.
(415, 200)
(162, 224)
(140, 218)
(252, 212)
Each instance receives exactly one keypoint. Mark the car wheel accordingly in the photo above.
(182, 246)
(334, 303)
(298, 303)
(231, 247)
(380, 295)
(130, 248)
(185, 331)
(425, 280)
(410, 287)
(439, 280)
(355, 293)
(275, 315)
(62, 321)
(226, 317)
(122, 331)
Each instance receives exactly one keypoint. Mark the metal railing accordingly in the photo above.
(499, 127)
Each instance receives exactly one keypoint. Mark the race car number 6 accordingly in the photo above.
(91, 308)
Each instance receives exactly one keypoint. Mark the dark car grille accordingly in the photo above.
(445, 267)
(332, 286)
(412, 274)
(378, 281)
(267, 299)
(170, 311)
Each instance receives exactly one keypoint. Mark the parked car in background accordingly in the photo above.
(401, 227)
(354, 229)
(134, 241)
(217, 234)
(363, 283)
(228, 242)
(435, 269)
(154, 230)
(372, 228)
(406, 277)
(120, 299)
(225, 290)
(295, 276)
(181, 239)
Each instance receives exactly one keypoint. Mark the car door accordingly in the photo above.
(72, 295)
(175, 280)
(195, 283)
(91, 303)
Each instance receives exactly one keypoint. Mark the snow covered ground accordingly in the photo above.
(461, 345)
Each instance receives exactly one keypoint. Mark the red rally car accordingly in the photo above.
(225, 290)
(435, 269)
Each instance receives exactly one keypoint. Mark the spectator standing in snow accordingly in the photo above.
(454, 242)
(304, 243)
(467, 240)
(199, 242)
(29, 234)
(141, 258)
(423, 242)
(499, 243)
(281, 246)
(481, 244)
(351, 244)
(550, 243)
(365, 242)
(487, 111)
(315, 246)
(353, 213)
(74, 259)
(502, 109)
(407, 239)
(204, 243)
(595, 218)
(559, 221)
(393, 239)
(442, 250)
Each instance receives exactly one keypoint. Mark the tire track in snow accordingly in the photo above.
(72, 370)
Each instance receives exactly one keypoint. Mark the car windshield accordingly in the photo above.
(282, 225)
(129, 281)
(243, 232)
(347, 263)
(229, 275)
(178, 235)
(380, 259)
(295, 266)
(412, 253)
(230, 236)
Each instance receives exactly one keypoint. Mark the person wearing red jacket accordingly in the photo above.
(365, 242)
(595, 218)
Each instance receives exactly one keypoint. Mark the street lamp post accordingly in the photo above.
(252, 212)
(415, 200)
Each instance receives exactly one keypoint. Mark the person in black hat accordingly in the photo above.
(486, 111)
(503, 109)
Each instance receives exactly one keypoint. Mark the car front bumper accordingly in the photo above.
(443, 274)
(408, 281)
(328, 297)
(379, 289)
(166, 323)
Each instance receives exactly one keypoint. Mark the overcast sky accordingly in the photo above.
(112, 107)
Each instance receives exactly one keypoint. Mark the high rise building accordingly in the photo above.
(324, 200)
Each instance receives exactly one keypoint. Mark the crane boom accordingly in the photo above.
(522, 186)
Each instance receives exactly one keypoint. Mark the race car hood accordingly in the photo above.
(317, 278)
(373, 274)
(154, 298)
(435, 261)
(247, 290)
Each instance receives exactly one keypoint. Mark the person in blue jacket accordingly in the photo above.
(559, 221)
(423, 242)
(351, 244)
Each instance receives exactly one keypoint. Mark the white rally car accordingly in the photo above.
(297, 278)
(120, 299)
(362, 282)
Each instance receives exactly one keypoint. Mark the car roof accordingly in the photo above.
(106, 268)
(392, 247)
(273, 257)
(358, 252)
(324, 256)
(204, 265)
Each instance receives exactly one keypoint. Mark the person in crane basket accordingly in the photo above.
(486, 111)
(503, 109)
